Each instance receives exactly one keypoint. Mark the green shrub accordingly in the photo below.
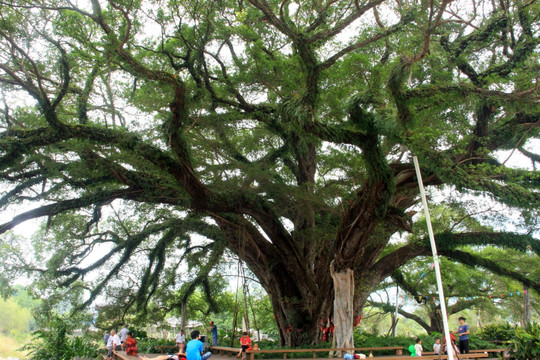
(54, 343)
(475, 343)
(496, 332)
(525, 344)
(148, 345)
(139, 334)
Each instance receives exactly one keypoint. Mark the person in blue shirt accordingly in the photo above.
(463, 333)
(213, 329)
(194, 348)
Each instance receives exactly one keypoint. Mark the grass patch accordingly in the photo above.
(9, 346)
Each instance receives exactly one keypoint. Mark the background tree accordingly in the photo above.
(467, 287)
(462, 285)
(281, 130)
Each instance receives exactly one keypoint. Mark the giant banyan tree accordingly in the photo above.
(282, 131)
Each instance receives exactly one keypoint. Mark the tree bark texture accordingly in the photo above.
(343, 307)
(526, 306)
(183, 311)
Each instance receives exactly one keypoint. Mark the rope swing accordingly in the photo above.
(241, 274)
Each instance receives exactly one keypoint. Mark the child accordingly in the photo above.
(437, 346)
(245, 342)
(453, 348)
(130, 344)
(418, 347)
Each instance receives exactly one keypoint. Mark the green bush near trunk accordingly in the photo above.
(525, 344)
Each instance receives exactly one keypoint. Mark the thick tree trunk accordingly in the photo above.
(298, 314)
(526, 306)
(183, 319)
(297, 318)
(343, 307)
(436, 322)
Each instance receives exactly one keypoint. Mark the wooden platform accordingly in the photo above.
(503, 352)
(432, 357)
(121, 355)
(225, 353)
(251, 354)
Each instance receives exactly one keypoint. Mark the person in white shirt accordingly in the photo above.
(181, 341)
(437, 346)
(418, 347)
(123, 333)
(114, 343)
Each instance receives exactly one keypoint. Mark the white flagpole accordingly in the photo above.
(435, 260)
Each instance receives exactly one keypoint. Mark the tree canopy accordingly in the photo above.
(280, 130)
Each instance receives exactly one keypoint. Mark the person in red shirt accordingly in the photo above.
(130, 345)
(245, 342)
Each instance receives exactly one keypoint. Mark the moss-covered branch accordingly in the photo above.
(448, 244)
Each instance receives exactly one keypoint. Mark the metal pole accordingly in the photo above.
(435, 259)
(396, 315)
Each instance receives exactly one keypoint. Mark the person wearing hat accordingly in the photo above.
(463, 333)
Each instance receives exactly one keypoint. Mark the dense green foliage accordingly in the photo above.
(525, 344)
(148, 345)
(465, 287)
(15, 320)
(56, 343)
(158, 139)
(497, 332)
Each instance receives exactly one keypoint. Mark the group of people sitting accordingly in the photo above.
(124, 340)
(194, 350)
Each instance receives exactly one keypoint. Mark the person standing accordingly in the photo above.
(195, 349)
(418, 347)
(123, 333)
(181, 341)
(463, 333)
(213, 329)
(106, 338)
(437, 346)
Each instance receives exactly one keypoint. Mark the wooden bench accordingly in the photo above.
(487, 350)
(476, 351)
(121, 355)
(504, 352)
(251, 353)
(225, 350)
(434, 357)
